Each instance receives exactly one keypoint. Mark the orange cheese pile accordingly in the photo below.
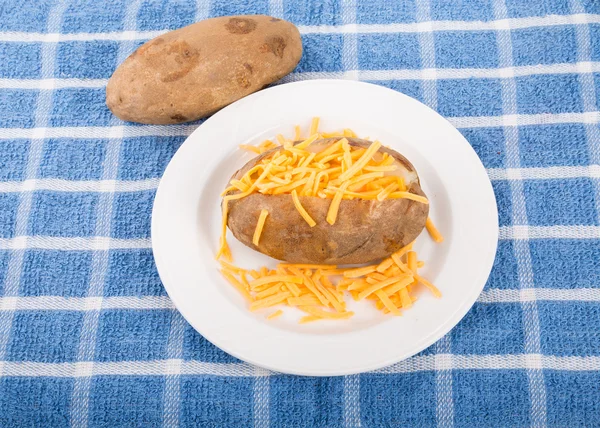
(339, 171)
(311, 288)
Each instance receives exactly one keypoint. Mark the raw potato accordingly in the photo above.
(365, 230)
(192, 72)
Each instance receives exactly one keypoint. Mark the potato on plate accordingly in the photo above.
(363, 210)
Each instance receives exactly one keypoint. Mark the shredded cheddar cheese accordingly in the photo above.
(259, 226)
(335, 204)
(355, 273)
(337, 171)
(361, 162)
(265, 279)
(408, 195)
(429, 285)
(433, 232)
(301, 209)
(250, 148)
(308, 288)
(325, 314)
(314, 126)
(275, 314)
(309, 318)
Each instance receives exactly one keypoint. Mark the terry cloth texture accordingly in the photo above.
(88, 336)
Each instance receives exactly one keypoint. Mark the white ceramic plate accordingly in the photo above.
(186, 223)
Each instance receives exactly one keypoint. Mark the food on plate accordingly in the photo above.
(317, 203)
(275, 314)
(259, 226)
(435, 234)
(331, 201)
(318, 290)
(191, 72)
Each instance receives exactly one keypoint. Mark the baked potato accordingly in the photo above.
(365, 229)
(192, 72)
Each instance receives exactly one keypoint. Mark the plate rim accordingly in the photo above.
(452, 320)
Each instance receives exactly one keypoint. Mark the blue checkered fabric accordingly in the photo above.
(88, 336)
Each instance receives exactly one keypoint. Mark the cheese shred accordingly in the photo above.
(433, 232)
(301, 209)
(275, 314)
(259, 226)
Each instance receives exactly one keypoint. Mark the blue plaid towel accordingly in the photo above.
(88, 336)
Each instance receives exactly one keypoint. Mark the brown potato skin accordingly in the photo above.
(192, 72)
(365, 230)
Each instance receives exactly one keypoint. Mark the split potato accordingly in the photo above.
(192, 72)
(365, 230)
